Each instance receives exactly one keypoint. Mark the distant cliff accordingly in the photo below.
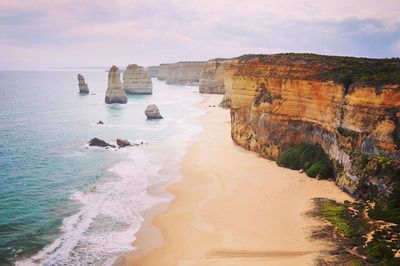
(181, 73)
(349, 106)
(152, 71)
(216, 77)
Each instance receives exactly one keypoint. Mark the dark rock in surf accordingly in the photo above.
(100, 143)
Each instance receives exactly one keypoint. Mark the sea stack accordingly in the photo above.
(115, 93)
(136, 80)
(152, 112)
(83, 87)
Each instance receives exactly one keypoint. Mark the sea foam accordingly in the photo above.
(109, 216)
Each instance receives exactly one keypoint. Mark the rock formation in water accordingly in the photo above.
(123, 143)
(100, 143)
(83, 87)
(152, 71)
(349, 106)
(181, 73)
(152, 112)
(115, 93)
(136, 80)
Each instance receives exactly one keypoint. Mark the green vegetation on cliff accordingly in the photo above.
(341, 69)
(310, 158)
(349, 227)
(375, 169)
(338, 216)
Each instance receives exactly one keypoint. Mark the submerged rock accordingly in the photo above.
(123, 143)
(152, 112)
(83, 87)
(115, 93)
(100, 143)
(136, 80)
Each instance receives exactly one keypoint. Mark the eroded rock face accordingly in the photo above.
(115, 93)
(212, 77)
(215, 78)
(181, 73)
(152, 71)
(83, 87)
(278, 101)
(152, 112)
(136, 80)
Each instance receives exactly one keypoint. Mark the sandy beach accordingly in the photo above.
(232, 207)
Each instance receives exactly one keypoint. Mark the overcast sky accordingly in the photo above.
(37, 34)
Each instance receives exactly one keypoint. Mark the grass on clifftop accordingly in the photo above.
(341, 69)
(311, 158)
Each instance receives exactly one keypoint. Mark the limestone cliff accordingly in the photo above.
(349, 106)
(181, 73)
(152, 71)
(83, 87)
(115, 93)
(212, 77)
(215, 78)
(136, 80)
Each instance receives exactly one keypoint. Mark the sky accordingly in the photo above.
(41, 34)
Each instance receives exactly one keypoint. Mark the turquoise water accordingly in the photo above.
(63, 203)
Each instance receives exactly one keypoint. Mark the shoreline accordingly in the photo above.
(231, 206)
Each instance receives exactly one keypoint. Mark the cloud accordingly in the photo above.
(46, 33)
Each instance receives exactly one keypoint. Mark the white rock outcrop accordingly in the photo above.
(136, 80)
(115, 93)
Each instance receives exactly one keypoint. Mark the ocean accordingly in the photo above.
(64, 203)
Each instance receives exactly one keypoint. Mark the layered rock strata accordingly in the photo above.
(83, 87)
(212, 77)
(216, 78)
(136, 80)
(181, 73)
(115, 93)
(349, 106)
(152, 71)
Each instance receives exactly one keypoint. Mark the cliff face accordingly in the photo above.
(216, 78)
(281, 100)
(152, 71)
(136, 80)
(115, 93)
(212, 77)
(181, 73)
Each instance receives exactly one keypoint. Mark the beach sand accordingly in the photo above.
(232, 207)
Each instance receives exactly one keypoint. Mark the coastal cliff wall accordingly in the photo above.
(216, 78)
(152, 71)
(212, 77)
(181, 73)
(281, 100)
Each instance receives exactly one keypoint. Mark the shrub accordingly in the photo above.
(378, 253)
(385, 214)
(320, 168)
(311, 158)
